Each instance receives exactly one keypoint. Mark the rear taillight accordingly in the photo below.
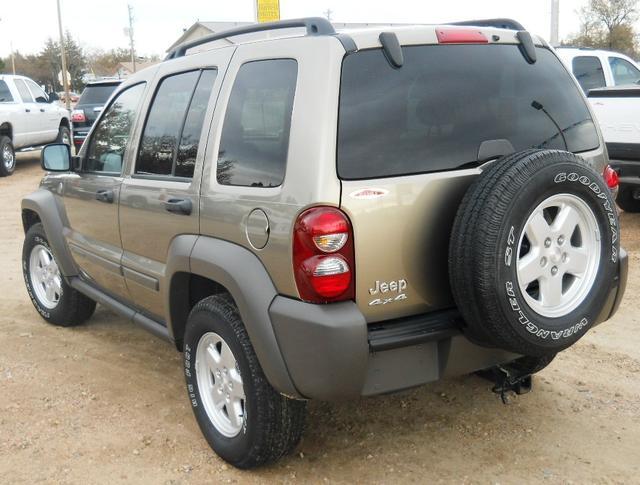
(323, 258)
(611, 177)
(78, 116)
(461, 36)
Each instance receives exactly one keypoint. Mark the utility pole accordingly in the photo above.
(555, 23)
(13, 60)
(63, 55)
(327, 13)
(131, 44)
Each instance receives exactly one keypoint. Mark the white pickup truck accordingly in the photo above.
(618, 112)
(27, 119)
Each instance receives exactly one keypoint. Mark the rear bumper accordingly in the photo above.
(332, 354)
(621, 283)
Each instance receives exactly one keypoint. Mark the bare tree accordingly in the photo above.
(608, 24)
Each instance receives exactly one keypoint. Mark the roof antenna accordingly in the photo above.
(391, 48)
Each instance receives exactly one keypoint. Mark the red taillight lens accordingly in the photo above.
(78, 116)
(323, 258)
(461, 36)
(611, 177)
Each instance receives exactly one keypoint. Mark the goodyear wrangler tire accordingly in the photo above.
(534, 252)
(56, 301)
(245, 420)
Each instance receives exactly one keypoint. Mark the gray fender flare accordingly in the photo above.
(44, 203)
(243, 275)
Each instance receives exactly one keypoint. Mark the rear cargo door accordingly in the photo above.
(412, 139)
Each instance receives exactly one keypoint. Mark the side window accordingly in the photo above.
(172, 131)
(111, 135)
(255, 134)
(589, 73)
(188, 146)
(5, 93)
(37, 92)
(24, 91)
(623, 71)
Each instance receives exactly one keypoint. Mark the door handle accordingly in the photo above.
(27, 110)
(105, 196)
(41, 110)
(179, 206)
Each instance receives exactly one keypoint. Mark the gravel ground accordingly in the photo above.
(105, 403)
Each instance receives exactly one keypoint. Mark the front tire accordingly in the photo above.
(245, 420)
(53, 298)
(7, 157)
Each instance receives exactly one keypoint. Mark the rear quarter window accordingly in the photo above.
(255, 134)
(435, 112)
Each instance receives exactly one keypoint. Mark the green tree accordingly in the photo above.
(51, 59)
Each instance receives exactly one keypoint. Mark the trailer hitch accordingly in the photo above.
(507, 380)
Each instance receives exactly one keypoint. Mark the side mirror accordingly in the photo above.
(41, 99)
(56, 158)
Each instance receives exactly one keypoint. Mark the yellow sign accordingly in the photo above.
(268, 10)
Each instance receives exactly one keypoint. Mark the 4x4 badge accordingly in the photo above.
(396, 288)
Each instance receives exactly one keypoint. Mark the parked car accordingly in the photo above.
(599, 68)
(89, 106)
(618, 112)
(328, 216)
(27, 119)
(73, 97)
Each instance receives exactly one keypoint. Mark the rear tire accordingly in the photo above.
(626, 201)
(245, 420)
(7, 157)
(56, 301)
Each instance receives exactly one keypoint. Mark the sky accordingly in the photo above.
(100, 24)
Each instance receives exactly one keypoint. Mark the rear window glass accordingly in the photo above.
(435, 112)
(589, 73)
(96, 94)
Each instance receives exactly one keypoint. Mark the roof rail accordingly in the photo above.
(498, 23)
(314, 26)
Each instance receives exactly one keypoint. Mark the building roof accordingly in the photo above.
(128, 66)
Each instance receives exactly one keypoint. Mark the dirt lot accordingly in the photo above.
(105, 403)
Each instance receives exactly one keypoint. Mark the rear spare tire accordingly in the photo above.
(534, 252)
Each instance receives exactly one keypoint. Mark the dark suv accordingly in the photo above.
(89, 107)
